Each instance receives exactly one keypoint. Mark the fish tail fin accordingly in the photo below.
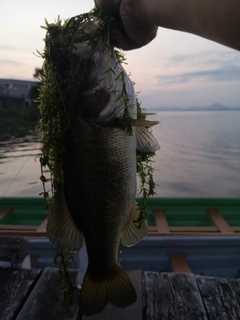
(96, 292)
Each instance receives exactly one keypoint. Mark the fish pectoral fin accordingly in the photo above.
(96, 293)
(132, 232)
(145, 140)
(61, 229)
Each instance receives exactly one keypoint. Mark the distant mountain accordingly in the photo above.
(214, 107)
(217, 106)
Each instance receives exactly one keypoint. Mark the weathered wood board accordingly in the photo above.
(15, 286)
(12, 248)
(173, 296)
(134, 312)
(46, 300)
(36, 295)
(221, 297)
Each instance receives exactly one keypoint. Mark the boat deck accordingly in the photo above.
(201, 235)
(33, 294)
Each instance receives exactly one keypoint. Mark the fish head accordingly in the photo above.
(107, 89)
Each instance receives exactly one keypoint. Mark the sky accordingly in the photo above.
(176, 69)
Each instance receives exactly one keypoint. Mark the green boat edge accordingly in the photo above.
(178, 211)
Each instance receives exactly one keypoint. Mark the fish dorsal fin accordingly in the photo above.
(131, 234)
(145, 140)
(61, 229)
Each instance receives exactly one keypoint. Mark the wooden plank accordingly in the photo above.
(193, 229)
(134, 312)
(42, 227)
(46, 299)
(179, 263)
(238, 287)
(29, 233)
(17, 227)
(173, 296)
(4, 212)
(40, 232)
(15, 285)
(12, 248)
(152, 229)
(236, 229)
(192, 234)
(187, 229)
(219, 221)
(173, 229)
(26, 234)
(161, 221)
(221, 297)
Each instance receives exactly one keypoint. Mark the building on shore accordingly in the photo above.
(15, 94)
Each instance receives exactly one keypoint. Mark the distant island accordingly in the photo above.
(213, 107)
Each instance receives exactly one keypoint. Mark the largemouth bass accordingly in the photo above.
(95, 201)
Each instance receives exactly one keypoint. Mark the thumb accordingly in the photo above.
(111, 6)
(139, 32)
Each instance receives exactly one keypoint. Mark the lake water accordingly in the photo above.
(199, 157)
(200, 154)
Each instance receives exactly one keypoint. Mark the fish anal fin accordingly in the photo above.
(145, 140)
(132, 232)
(96, 293)
(61, 229)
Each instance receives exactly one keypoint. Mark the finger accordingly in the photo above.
(139, 32)
(108, 5)
(126, 43)
(135, 36)
(142, 35)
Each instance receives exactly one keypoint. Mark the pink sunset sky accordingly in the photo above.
(176, 69)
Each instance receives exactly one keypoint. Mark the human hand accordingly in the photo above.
(139, 30)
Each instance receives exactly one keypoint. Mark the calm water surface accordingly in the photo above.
(199, 157)
(19, 165)
(200, 154)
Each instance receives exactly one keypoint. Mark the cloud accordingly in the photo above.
(7, 47)
(229, 73)
(218, 58)
(211, 66)
(11, 62)
(226, 93)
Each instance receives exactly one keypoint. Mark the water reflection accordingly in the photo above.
(19, 166)
(200, 154)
